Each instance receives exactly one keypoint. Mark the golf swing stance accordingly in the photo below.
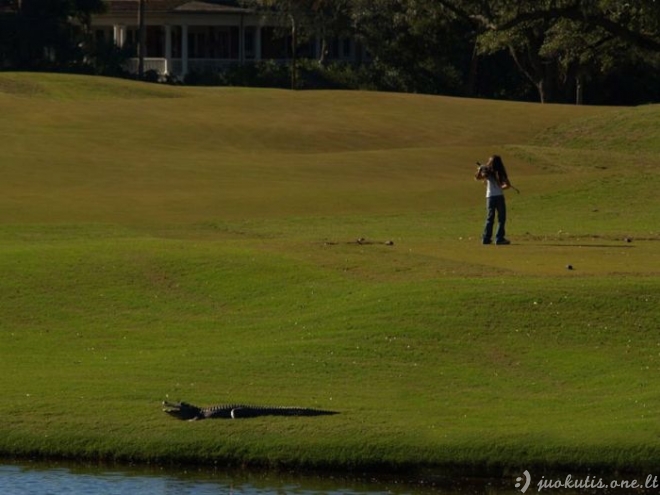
(494, 175)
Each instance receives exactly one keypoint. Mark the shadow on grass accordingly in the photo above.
(588, 245)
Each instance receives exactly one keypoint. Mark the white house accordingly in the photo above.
(201, 35)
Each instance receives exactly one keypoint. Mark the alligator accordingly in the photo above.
(189, 412)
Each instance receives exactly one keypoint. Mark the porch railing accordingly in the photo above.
(160, 65)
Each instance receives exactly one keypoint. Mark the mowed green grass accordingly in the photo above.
(200, 244)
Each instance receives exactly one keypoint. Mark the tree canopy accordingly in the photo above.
(39, 33)
(555, 45)
(552, 49)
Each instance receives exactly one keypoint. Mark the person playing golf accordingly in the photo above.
(494, 175)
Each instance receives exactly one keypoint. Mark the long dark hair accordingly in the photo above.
(499, 171)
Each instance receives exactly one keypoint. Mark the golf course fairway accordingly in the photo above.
(322, 249)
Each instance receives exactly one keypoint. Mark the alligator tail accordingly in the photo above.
(253, 412)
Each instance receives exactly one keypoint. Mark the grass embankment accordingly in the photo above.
(199, 244)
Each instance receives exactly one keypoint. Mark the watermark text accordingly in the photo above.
(569, 482)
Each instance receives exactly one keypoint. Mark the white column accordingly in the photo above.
(168, 49)
(184, 50)
(119, 35)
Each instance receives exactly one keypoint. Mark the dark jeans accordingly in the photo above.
(495, 204)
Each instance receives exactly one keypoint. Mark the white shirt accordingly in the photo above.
(493, 188)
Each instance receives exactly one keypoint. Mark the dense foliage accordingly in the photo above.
(591, 51)
(40, 34)
(595, 51)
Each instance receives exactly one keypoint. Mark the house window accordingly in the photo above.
(197, 43)
(308, 49)
(333, 48)
(155, 41)
(347, 49)
(221, 42)
(176, 42)
(213, 42)
(274, 45)
(130, 41)
(234, 34)
(249, 42)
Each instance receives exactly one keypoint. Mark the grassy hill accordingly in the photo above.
(200, 244)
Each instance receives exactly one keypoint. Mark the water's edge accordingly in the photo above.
(86, 478)
(244, 481)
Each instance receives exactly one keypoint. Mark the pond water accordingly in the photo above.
(74, 479)
(29, 478)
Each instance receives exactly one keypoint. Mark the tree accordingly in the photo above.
(549, 39)
(303, 19)
(40, 33)
(416, 45)
(581, 55)
(142, 37)
(330, 19)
